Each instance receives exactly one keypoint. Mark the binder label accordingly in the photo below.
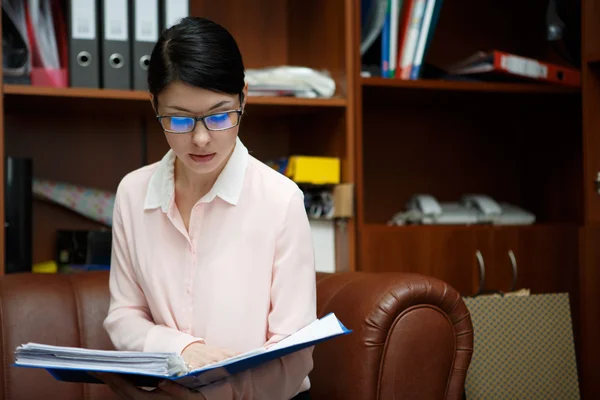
(146, 20)
(523, 66)
(115, 20)
(83, 19)
(175, 10)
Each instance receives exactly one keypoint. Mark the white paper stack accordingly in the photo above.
(40, 355)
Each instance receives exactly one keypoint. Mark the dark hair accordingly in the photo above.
(200, 53)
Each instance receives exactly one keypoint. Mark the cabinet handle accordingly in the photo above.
(513, 263)
(481, 263)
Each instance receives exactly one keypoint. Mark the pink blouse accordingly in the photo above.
(243, 277)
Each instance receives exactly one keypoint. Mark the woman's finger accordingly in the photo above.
(228, 353)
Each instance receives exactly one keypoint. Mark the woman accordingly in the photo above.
(212, 250)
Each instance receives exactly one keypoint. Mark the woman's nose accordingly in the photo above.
(201, 135)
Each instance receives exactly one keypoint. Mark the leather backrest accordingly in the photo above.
(412, 338)
(65, 310)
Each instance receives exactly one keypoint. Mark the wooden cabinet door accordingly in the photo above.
(447, 253)
(502, 267)
(548, 259)
(543, 258)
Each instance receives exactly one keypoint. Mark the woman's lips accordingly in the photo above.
(202, 158)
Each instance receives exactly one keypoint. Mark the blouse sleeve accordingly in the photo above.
(293, 306)
(129, 322)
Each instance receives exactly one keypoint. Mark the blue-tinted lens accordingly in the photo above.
(178, 124)
(221, 121)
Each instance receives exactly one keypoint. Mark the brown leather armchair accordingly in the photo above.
(412, 335)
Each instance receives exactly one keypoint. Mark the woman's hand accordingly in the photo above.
(197, 355)
(166, 390)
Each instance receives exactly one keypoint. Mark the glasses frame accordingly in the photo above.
(239, 111)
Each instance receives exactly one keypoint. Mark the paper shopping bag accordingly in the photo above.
(523, 348)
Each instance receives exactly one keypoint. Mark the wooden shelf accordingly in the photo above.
(461, 86)
(25, 90)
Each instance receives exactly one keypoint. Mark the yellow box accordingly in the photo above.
(314, 170)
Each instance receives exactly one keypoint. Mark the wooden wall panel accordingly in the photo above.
(316, 32)
(2, 157)
(259, 27)
(591, 138)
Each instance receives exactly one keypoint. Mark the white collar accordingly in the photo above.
(228, 186)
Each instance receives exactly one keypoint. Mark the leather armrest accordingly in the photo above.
(412, 338)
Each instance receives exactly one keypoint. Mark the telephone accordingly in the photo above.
(470, 209)
(488, 209)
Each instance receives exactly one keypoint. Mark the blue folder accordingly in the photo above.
(192, 380)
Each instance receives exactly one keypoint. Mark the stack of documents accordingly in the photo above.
(290, 81)
(147, 369)
(33, 354)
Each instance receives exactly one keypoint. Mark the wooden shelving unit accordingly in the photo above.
(520, 143)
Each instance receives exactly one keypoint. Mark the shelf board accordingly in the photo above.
(26, 90)
(462, 86)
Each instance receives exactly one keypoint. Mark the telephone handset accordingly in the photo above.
(489, 209)
(426, 204)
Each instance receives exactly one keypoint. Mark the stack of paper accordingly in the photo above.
(45, 356)
(146, 369)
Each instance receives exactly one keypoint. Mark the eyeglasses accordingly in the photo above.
(214, 122)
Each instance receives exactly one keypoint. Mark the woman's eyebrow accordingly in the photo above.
(214, 107)
(219, 104)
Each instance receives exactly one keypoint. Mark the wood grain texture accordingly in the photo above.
(349, 240)
(590, 29)
(441, 252)
(591, 117)
(359, 181)
(259, 27)
(2, 157)
(546, 256)
(317, 37)
(590, 311)
(589, 269)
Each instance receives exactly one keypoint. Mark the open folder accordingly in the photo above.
(71, 364)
